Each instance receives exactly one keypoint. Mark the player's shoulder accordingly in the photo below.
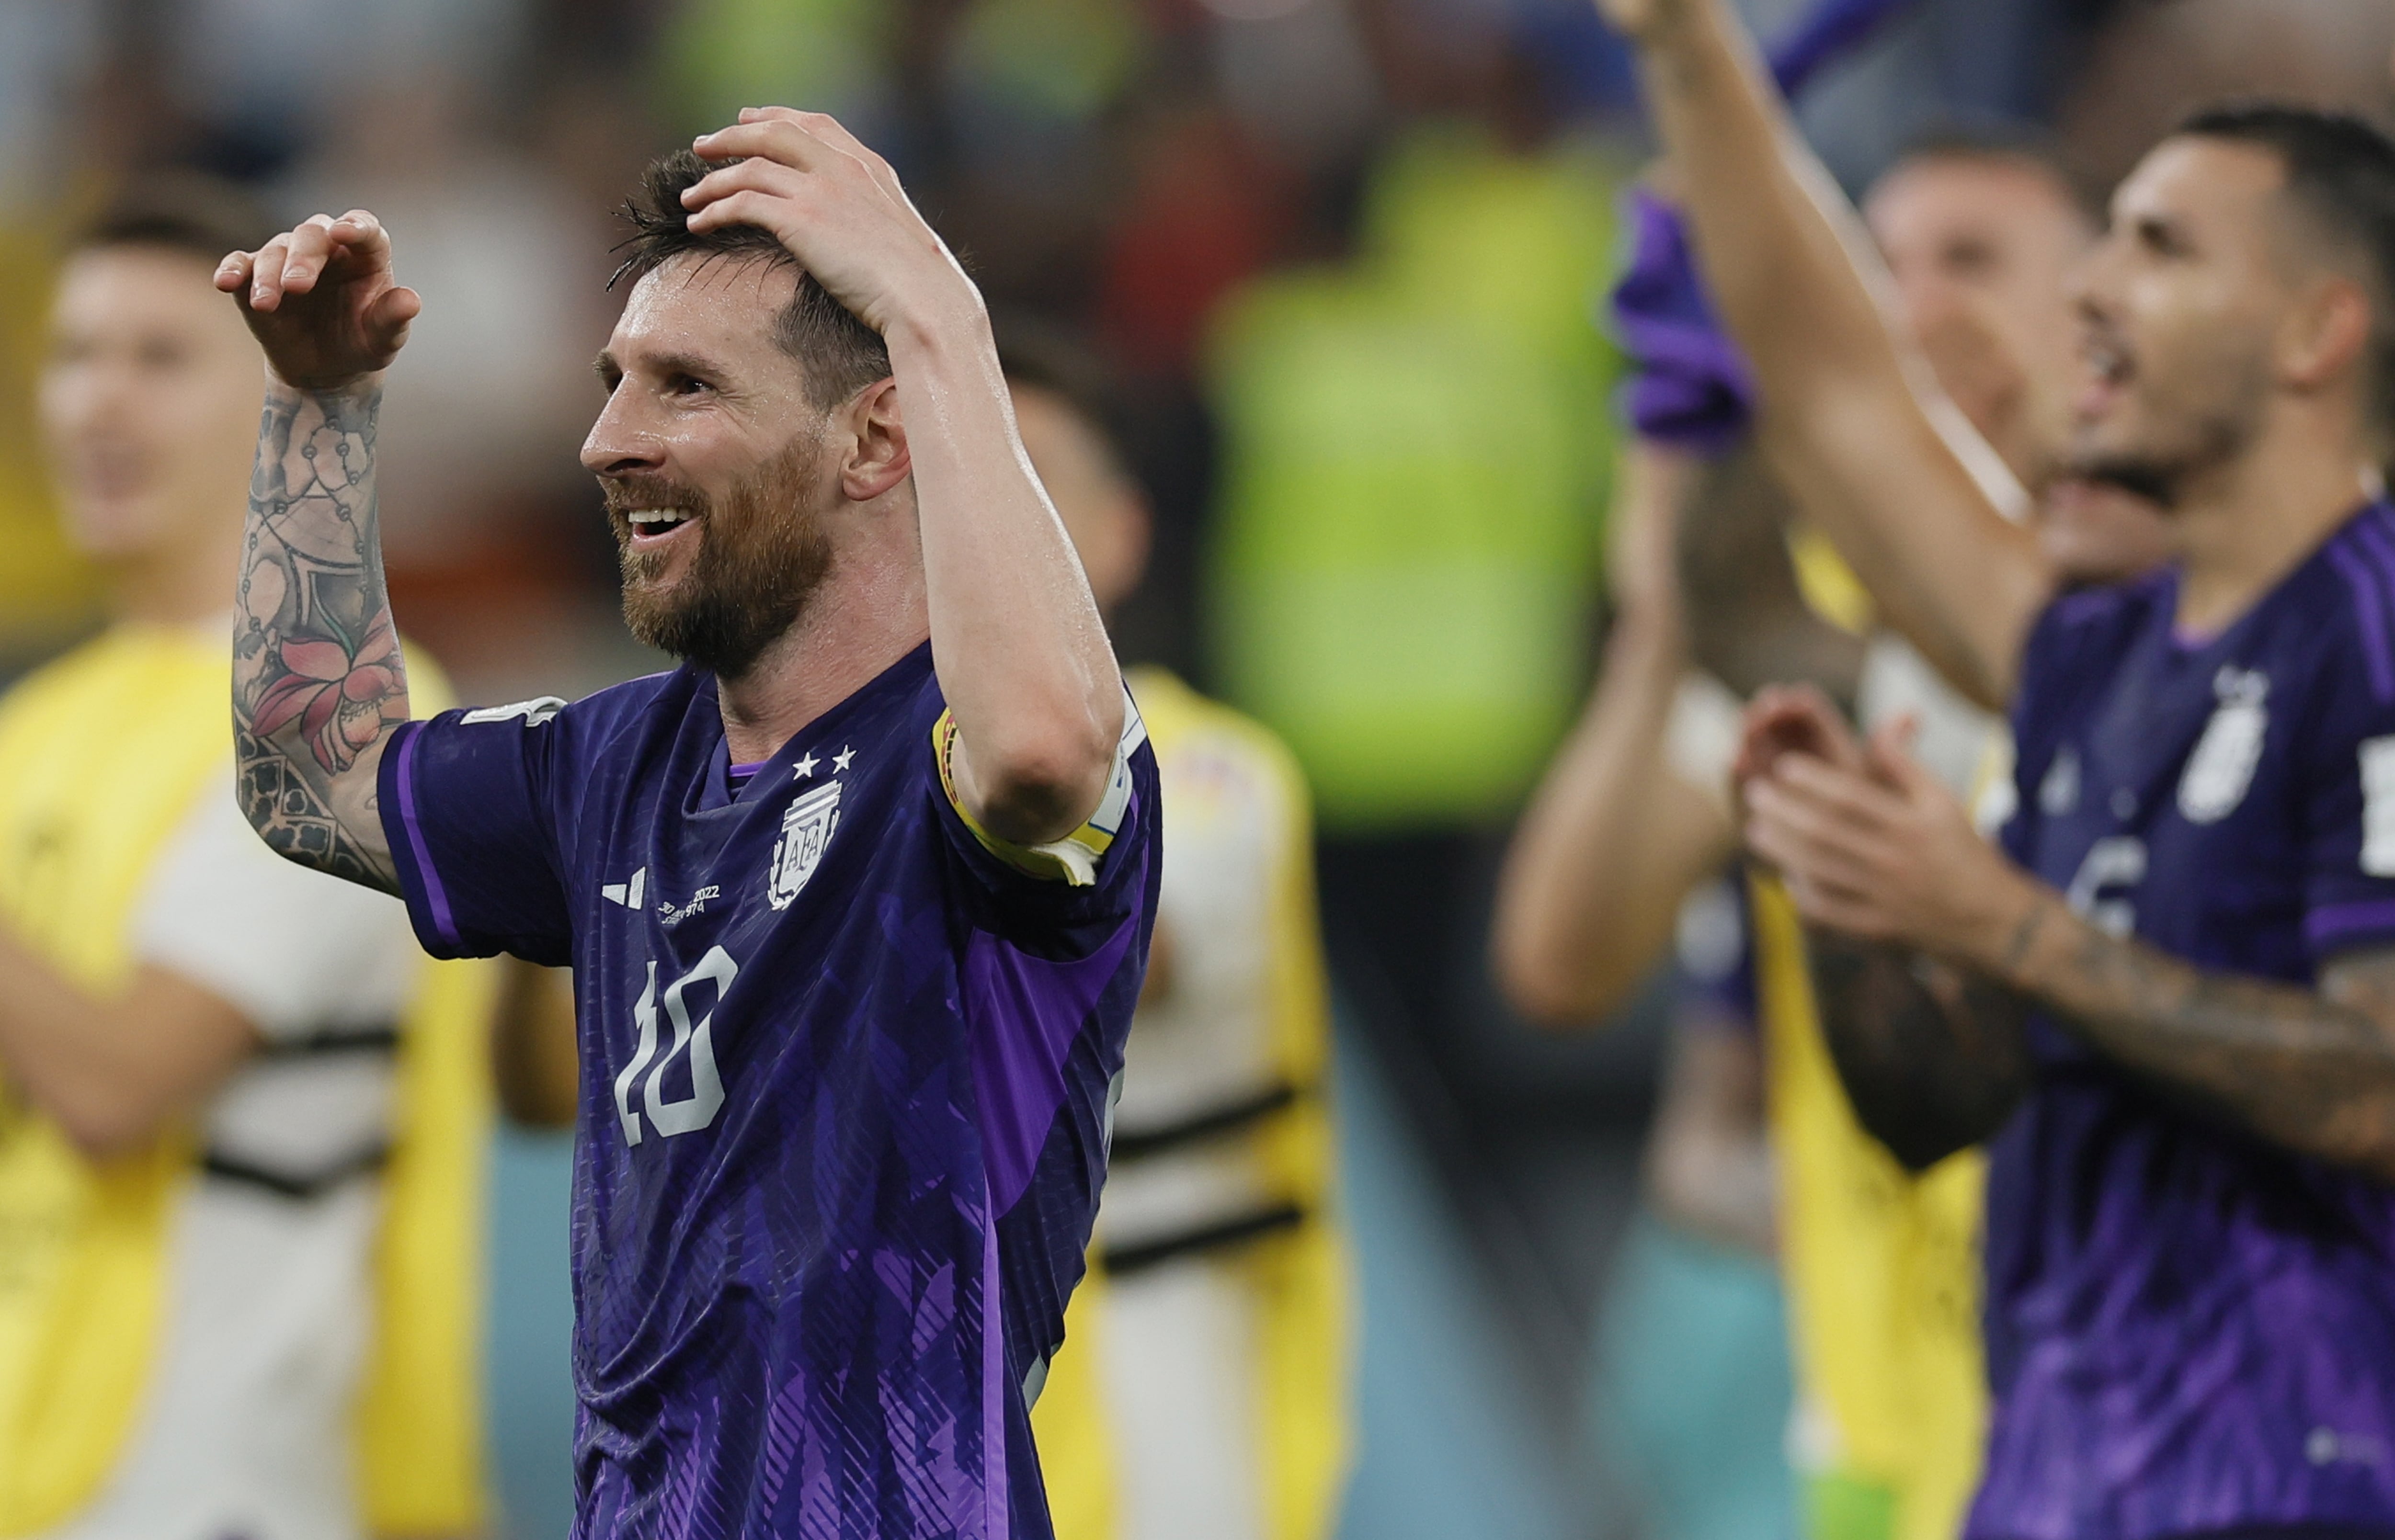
(2100, 610)
(2086, 630)
(2338, 610)
(594, 718)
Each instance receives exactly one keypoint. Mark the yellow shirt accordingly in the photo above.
(1238, 1001)
(101, 756)
(1881, 1267)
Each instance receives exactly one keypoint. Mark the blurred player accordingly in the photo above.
(241, 1125)
(2177, 1007)
(1206, 1393)
(1880, 1263)
(857, 898)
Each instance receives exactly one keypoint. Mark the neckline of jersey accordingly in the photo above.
(2188, 641)
(724, 787)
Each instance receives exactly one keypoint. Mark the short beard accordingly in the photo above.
(762, 554)
(2160, 472)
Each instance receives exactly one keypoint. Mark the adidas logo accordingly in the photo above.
(628, 894)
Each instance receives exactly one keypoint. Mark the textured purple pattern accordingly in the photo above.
(807, 1310)
(436, 899)
(1019, 1072)
(2190, 1330)
(2337, 923)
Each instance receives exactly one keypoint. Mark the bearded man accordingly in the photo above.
(857, 898)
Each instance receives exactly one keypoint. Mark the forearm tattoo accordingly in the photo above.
(1934, 1059)
(2312, 1071)
(318, 681)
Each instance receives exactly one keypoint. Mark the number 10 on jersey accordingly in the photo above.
(695, 1043)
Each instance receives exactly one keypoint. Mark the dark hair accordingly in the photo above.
(180, 211)
(2341, 174)
(2003, 143)
(1035, 355)
(841, 355)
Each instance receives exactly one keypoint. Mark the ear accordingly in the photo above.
(1115, 556)
(876, 458)
(2327, 333)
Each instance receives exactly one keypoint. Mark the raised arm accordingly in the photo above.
(1021, 653)
(1853, 423)
(318, 680)
(1615, 836)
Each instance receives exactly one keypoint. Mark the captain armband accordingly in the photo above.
(1074, 858)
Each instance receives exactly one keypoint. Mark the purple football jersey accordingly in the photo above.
(845, 1089)
(2190, 1329)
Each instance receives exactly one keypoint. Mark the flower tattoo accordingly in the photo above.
(342, 699)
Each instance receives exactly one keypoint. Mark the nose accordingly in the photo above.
(1926, 301)
(618, 441)
(2086, 284)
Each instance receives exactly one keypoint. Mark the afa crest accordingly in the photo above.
(2222, 765)
(807, 828)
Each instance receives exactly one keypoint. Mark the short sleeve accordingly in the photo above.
(2347, 776)
(296, 952)
(467, 808)
(1096, 874)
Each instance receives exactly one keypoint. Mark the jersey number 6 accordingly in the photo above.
(696, 1043)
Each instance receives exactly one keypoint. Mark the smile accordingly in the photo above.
(653, 526)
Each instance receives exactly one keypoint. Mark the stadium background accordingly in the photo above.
(1344, 255)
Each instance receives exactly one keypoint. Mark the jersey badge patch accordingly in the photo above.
(540, 708)
(2222, 765)
(807, 828)
(2057, 795)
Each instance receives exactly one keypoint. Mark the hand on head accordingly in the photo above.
(837, 206)
(1865, 839)
(321, 300)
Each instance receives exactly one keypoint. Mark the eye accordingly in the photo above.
(2159, 237)
(686, 385)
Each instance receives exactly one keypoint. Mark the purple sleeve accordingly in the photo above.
(1045, 911)
(471, 831)
(2347, 773)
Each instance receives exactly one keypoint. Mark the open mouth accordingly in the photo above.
(652, 526)
(2109, 370)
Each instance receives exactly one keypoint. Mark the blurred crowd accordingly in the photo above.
(1345, 263)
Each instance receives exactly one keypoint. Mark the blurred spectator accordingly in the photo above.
(1692, 1379)
(2153, 64)
(241, 1133)
(1204, 1392)
(263, 76)
(48, 53)
(1413, 485)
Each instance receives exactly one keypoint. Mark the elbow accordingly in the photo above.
(1040, 785)
(1550, 987)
